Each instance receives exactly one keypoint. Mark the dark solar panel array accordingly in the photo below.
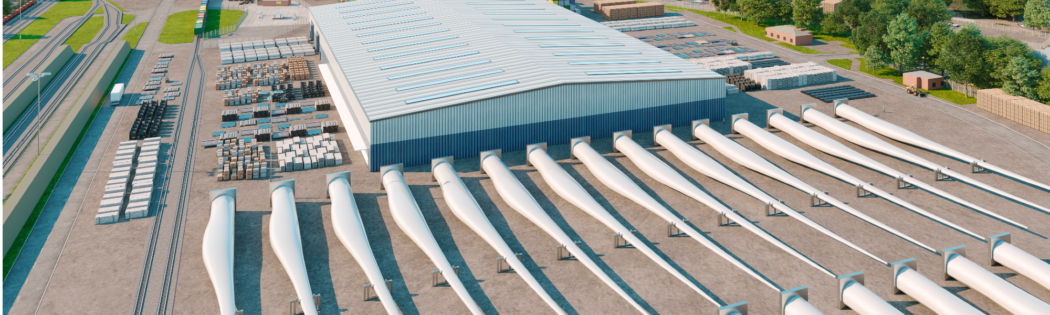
(767, 63)
(838, 92)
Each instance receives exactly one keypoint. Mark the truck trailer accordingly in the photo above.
(117, 94)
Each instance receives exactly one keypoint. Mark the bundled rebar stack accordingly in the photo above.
(791, 76)
(1024, 111)
(239, 159)
(304, 153)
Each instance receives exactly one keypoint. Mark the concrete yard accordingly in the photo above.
(99, 268)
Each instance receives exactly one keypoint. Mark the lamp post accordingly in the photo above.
(36, 78)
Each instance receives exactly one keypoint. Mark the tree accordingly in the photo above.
(806, 13)
(961, 57)
(7, 7)
(759, 11)
(890, 8)
(1037, 14)
(903, 42)
(1021, 78)
(1002, 50)
(934, 41)
(876, 59)
(726, 5)
(846, 16)
(977, 6)
(1044, 85)
(1006, 8)
(869, 32)
(928, 12)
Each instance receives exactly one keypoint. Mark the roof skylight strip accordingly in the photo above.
(418, 51)
(439, 69)
(523, 19)
(541, 25)
(362, 3)
(391, 23)
(509, 9)
(612, 62)
(403, 36)
(568, 37)
(599, 53)
(631, 72)
(379, 12)
(397, 29)
(377, 7)
(480, 74)
(473, 89)
(384, 18)
(412, 43)
(580, 45)
(519, 13)
(553, 31)
(428, 60)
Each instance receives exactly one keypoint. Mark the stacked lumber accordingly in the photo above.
(1024, 111)
(631, 11)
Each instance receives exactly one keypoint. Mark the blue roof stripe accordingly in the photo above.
(580, 45)
(599, 53)
(388, 17)
(519, 13)
(427, 60)
(473, 89)
(553, 31)
(419, 51)
(391, 23)
(439, 69)
(612, 62)
(475, 75)
(362, 3)
(404, 36)
(412, 43)
(530, 19)
(509, 9)
(380, 12)
(568, 37)
(397, 29)
(541, 25)
(376, 7)
(631, 72)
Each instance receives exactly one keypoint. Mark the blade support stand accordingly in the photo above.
(739, 308)
(693, 125)
(940, 176)
(294, 305)
(724, 220)
(769, 113)
(900, 267)
(620, 242)
(817, 201)
(802, 112)
(562, 247)
(947, 255)
(534, 146)
(993, 242)
(674, 231)
(616, 136)
(498, 153)
(904, 184)
(788, 296)
(439, 279)
(772, 211)
(856, 278)
(370, 291)
(656, 129)
(733, 119)
(501, 260)
(863, 192)
(977, 168)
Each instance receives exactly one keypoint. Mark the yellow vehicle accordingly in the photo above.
(915, 91)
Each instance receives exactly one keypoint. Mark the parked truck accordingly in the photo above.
(117, 94)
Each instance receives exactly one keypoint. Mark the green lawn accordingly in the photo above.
(842, 63)
(99, 11)
(944, 94)
(127, 18)
(115, 5)
(178, 28)
(135, 34)
(730, 28)
(745, 26)
(802, 49)
(13, 48)
(85, 33)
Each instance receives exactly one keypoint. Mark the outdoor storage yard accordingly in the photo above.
(101, 265)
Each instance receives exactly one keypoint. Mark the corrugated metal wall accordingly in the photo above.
(553, 115)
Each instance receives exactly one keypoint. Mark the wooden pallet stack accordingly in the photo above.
(298, 68)
(598, 5)
(1024, 111)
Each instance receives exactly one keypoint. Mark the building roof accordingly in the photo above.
(405, 56)
(790, 30)
(923, 74)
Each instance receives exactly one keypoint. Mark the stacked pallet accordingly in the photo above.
(236, 97)
(259, 74)
(791, 76)
(723, 65)
(305, 153)
(649, 24)
(631, 11)
(298, 69)
(1024, 111)
(598, 5)
(239, 159)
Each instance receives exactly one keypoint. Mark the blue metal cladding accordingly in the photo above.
(577, 117)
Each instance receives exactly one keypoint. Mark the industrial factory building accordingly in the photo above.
(421, 79)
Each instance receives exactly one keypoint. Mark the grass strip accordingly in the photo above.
(730, 28)
(747, 27)
(890, 73)
(85, 33)
(178, 29)
(99, 11)
(802, 49)
(842, 63)
(135, 34)
(13, 48)
(115, 5)
(125, 19)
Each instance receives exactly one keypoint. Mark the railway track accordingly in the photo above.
(12, 27)
(49, 48)
(162, 255)
(21, 133)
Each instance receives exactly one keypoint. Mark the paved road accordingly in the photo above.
(11, 28)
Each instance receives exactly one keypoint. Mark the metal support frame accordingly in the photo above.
(620, 242)
(770, 113)
(290, 183)
(739, 308)
(501, 260)
(616, 135)
(938, 175)
(485, 154)
(817, 201)
(733, 119)
(435, 161)
(992, 242)
(772, 211)
(656, 129)
(898, 267)
(436, 274)
(947, 255)
(787, 296)
(674, 231)
(723, 220)
(383, 169)
(862, 192)
(534, 146)
(844, 281)
(834, 111)
(902, 184)
(802, 112)
(977, 168)
(569, 256)
(574, 141)
(328, 178)
(370, 291)
(692, 126)
(292, 309)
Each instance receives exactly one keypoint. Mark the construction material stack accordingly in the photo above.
(1024, 111)
(741, 83)
(649, 24)
(142, 184)
(305, 153)
(621, 10)
(723, 65)
(258, 74)
(239, 159)
(298, 68)
(236, 97)
(791, 76)
(598, 5)
(117, 184)
(147, 123)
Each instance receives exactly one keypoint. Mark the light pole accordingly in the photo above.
(36, 78)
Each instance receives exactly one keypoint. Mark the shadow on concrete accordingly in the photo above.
(247, 266)
(382, 248)
(315, 254)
